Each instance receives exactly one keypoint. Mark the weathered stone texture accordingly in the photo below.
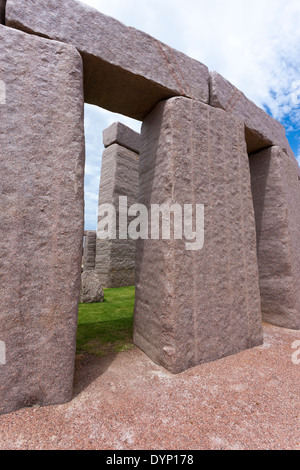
(2, 11)
(91, 289)
(120, 134)
(115, 259)
(89, 250)
(276, 196)
(262, 130)
(41, 217)
(126, 71)
(197, 306)
(115, 263)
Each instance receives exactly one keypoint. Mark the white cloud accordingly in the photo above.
(253, 44)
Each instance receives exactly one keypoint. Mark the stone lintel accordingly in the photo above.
(262, 130)
(125, 70)
(122, 135)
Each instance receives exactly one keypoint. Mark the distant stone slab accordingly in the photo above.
(115, 259)
(41, 217)
(91, 289)
(276, 198)
(120, 134)
(194, 307)
(262, 130)
(125, 70)
(89, 250)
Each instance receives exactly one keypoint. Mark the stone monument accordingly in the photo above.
(198, 135)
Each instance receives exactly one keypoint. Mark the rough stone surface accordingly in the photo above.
(89, 250)
(276, 196)
(262, 130)
(120, 134)
(2, 11)
(91, 289)
(115, 259)
(41, 217)
(197, 306)
(125, 402)
(126, 71)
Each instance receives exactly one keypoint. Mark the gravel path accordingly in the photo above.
(247, 401)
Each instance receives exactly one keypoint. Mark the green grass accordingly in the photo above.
(105, 328)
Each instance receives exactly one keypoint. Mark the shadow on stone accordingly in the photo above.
(88, 368)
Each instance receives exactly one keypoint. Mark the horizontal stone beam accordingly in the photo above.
(122, 135)
(262, 130)
(125, 70)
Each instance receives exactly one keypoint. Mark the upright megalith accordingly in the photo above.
(41, 217)
(115, 258)
(276, 197)
(89, 250)
(197, 306)
(91, 289)
(125, 70)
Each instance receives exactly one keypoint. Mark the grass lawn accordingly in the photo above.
(107, 327)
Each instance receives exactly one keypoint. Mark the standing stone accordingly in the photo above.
(91, 289)
(115, 259)
(89, 250)
(41, 217)
(276, 197)
(197, 306)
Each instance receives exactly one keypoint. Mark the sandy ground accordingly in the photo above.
(247, 401)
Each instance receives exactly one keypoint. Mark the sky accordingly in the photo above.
(254, 44)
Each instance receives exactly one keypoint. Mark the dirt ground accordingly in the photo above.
(124, 401)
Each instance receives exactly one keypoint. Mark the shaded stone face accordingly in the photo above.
(41, 217)
(276, 197)
(197, 306)
(115, 259)
(2, 11)
(125, 70)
